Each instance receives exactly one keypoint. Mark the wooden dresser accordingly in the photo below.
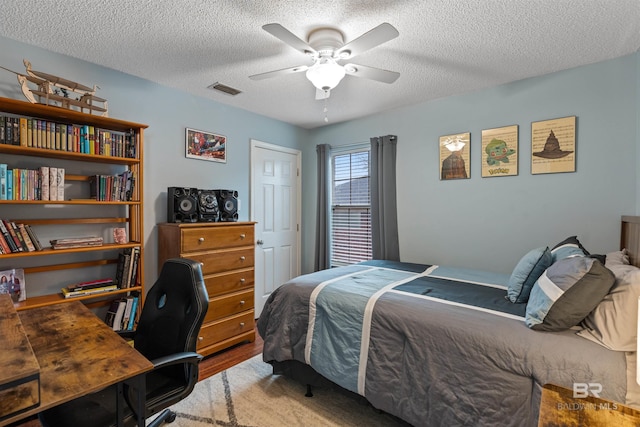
(226, 251)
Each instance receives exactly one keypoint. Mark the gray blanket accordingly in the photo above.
(426, 357)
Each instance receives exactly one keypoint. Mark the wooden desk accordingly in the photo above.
(558, 407)
(78, 354)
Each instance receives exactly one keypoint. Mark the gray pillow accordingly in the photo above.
(613, 323)
(570, 246)
(526, 272)
(567, 292)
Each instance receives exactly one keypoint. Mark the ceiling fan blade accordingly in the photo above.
(322, 94)
(289, 38)
(372, 38)
(277, 73)
(371, 73)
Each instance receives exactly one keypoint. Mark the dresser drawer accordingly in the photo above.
(229, 304)
(202, 239)
(218, 331)
(223, 283)
(227, 260)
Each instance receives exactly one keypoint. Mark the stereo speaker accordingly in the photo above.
(182, 204)
(208, 206)
(228, 204)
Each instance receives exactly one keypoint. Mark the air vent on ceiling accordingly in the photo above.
(224, 88)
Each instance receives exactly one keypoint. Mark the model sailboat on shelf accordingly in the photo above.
(58, 91)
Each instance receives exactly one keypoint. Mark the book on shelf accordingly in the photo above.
(44, 182)
(92, 284)
(69, 293)
(17, 246)
(53, 183)
(134, 312)
(3, 181)
(60, 182)
(34, 237)
(111, 312)
(12, 282)
(76, 242)
(27, 239)
(7, 237)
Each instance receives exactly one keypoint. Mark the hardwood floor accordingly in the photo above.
(209, 366)
(225, 359)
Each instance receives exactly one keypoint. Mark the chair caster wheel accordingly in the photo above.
(171, 417)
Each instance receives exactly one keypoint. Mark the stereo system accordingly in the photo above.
(196, 205)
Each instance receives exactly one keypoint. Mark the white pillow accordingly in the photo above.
(613, 323)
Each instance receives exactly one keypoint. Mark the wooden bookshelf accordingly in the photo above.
(81, 209)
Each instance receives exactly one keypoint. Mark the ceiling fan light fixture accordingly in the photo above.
(325, 74)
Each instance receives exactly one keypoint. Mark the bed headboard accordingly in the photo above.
(630, 238)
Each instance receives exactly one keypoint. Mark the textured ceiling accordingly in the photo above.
(445, 47)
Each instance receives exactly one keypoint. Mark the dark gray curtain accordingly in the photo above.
(323, 245)
(384, 213)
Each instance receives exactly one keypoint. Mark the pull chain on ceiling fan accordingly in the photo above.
(326, 48)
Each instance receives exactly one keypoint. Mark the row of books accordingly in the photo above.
(112, 187)
(122, 313)
(37, 133)
(45, 183)
(15, 237)
(76, 242)
(127, 270)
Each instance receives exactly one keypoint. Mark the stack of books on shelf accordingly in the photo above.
(127, 269)
(122, 313)
(16, 237)
(37, 133)
(44, 183)
(76, 242)
(112, 187)
(89, 288)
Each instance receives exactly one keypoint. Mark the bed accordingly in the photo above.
(434, 345)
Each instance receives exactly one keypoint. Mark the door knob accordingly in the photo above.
(259, 242)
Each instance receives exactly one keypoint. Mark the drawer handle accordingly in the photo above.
(242, 280)
(200, 338)
(242, 236)
(242, 324)
(242, 258)
(201, 239)
(242, 302)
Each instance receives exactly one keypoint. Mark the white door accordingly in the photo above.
(275, 207)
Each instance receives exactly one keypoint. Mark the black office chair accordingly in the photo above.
(167, 334)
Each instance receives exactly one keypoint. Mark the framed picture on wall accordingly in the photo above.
(553, 145)
(500, 151)
(454, 156)
(203, 145)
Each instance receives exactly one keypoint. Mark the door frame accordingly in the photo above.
(256, 144)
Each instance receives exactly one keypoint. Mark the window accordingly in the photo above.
(350, 207)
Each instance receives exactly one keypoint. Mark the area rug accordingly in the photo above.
(248, 395)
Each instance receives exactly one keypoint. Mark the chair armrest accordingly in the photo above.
(173, 359)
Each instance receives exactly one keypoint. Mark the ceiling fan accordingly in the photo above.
(326, 48)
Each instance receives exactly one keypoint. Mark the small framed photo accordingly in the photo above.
(553, 145)
(205, 146)
(454, 156)
(500, 151)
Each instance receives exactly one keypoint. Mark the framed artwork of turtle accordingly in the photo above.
(553, 145)
(500, 151)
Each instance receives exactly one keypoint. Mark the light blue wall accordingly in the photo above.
(167, 112)
(484, 223)
(490, 223)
